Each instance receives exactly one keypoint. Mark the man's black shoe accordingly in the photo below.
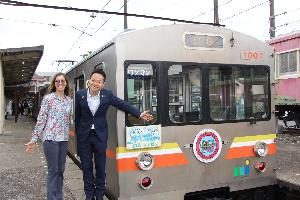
(99, 198)
(92, 198)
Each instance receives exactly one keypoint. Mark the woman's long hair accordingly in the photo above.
(52, 88)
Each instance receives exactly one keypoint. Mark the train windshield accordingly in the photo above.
(237, 93)
(191, 93)
(185, 93)
(141, 90)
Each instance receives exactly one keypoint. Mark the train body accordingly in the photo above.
(210, 91)
(287, 76)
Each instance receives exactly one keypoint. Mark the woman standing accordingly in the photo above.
(53, 123)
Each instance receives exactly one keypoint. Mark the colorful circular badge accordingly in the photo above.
(207, 145)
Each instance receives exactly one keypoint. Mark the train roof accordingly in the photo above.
(193, 27)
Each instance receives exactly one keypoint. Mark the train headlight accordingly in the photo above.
(260, 149)
(261, 166)
(146, 182)
(145, 161)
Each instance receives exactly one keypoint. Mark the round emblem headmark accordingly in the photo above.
(207, 145)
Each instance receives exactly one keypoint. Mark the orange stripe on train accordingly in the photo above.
(247, 151)
(167, 155)
(244, 146)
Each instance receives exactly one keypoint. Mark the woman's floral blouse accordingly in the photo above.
(54, 119)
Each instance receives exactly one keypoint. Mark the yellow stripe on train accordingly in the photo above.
(242, 147)
(163, 146)
(254, 138)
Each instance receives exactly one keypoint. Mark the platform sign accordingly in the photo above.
(138, 137)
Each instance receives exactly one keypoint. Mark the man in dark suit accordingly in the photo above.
(91, 129)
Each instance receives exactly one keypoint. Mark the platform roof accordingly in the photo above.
(19, 65)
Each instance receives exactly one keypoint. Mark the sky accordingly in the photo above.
(68, 35)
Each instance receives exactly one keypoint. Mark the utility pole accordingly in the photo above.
(272, 20)
(216, 12)
(125, 16)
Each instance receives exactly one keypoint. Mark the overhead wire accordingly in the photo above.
(248, 9)
(108, 19)
(166, 7)
(286, 12)
(281, 25)
(46, 24)
(23, 4)
(98, 28)
(18, 3)
(78, 38)
(49, 24)
(203, 13)
(288, 23)
(64, 3)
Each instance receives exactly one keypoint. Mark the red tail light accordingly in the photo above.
(261, 166)
(146, 182)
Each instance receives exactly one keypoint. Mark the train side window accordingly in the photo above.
(141, 90)
(238, 93)
(258, 104)
(185, 98)
(79, 83)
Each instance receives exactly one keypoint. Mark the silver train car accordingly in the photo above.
(210, 90)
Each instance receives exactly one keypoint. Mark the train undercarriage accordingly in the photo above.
(289, 115)
(274, 192)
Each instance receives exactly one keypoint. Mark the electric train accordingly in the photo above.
(211, 93)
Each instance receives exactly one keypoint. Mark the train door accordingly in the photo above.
(78, 85)
(141, 89)
(184, 93)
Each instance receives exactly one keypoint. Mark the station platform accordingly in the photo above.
(22, 175)
(288, 161)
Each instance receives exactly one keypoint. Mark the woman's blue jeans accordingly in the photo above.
(55, 153)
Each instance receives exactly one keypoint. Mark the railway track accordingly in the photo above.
(292, 131)
(288, 193)
(278, 192)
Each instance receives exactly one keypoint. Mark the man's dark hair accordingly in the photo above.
(99, 71)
